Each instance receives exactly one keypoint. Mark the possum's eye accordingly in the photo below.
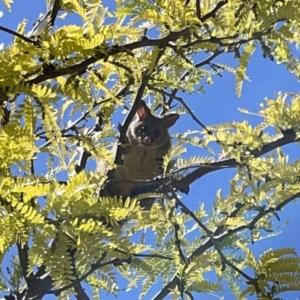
(156, 133)
(143, 129)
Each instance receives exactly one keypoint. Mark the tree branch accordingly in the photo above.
(113, 50)
(183, 183)
(45, 21)
(23, 257)
(80, 293)
(146, 255)
(123, 128)
(20, 36)
(208, 244)
(224, 260)
(54, 11)
(214, 11)
(198, 9)
(178, 243)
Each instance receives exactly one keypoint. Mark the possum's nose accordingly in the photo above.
(147, 140)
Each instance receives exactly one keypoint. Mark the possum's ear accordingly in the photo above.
(143, 112)
(170, 119)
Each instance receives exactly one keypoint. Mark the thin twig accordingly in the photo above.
(214, 11)
(193, 167)
(80, 293)
(178, 243)
(187, 211)
(20, 36)
(198, 9)
(185, 106)
(54, 11)
(88, 273)
(122, 92)
(146, 255)
(231, 265)
(187, 73)
(45, 21)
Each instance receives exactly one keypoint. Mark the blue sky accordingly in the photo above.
(218, 104)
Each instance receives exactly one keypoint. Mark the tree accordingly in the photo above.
(61, 86)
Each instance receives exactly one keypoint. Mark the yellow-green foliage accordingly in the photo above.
(58, 82)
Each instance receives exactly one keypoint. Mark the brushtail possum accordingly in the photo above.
(148, 141)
